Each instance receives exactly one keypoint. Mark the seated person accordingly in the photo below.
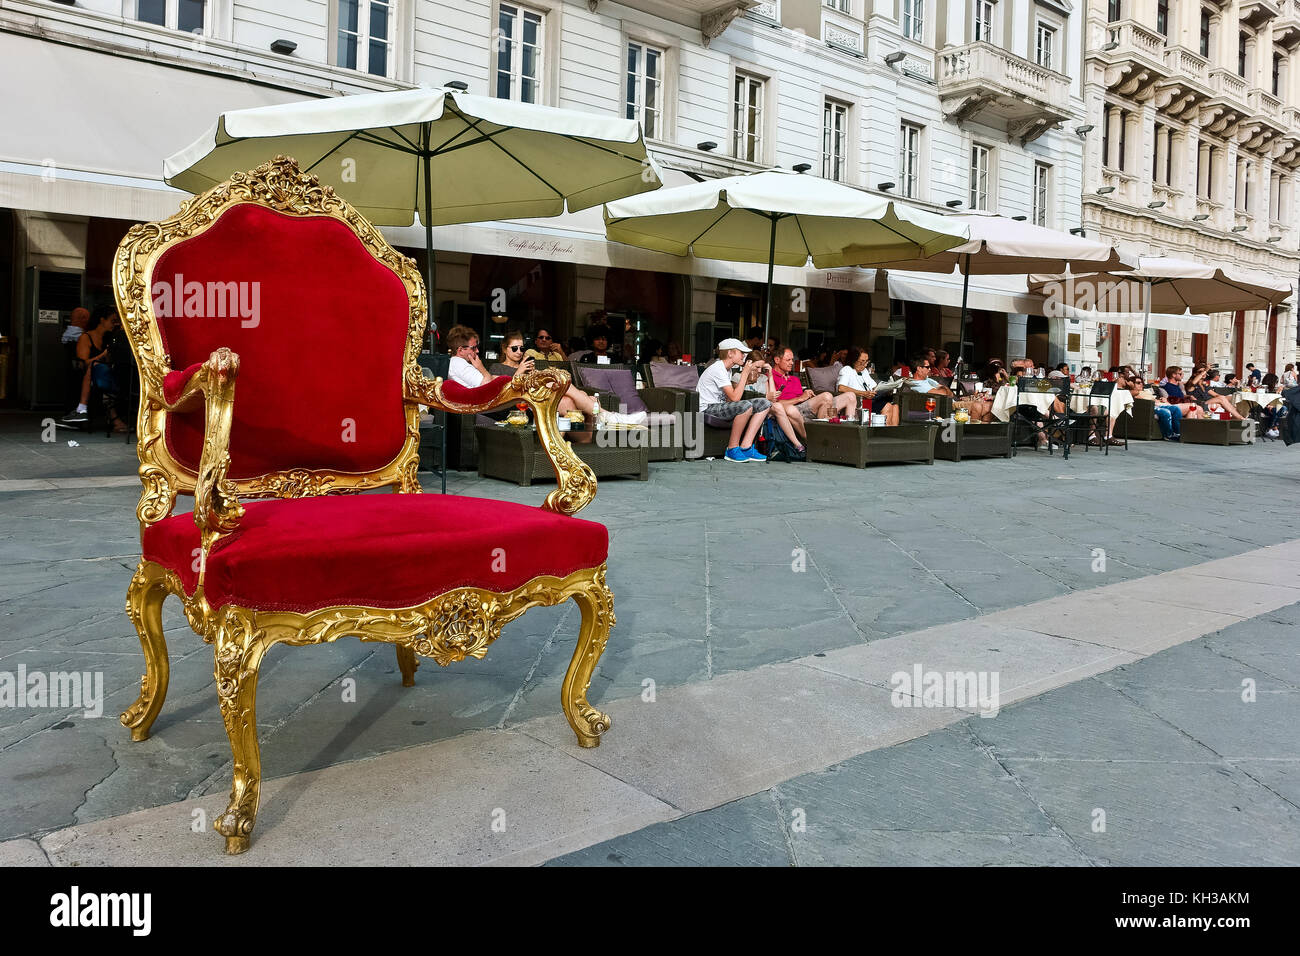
(545, 348)
(1168, 415)
(1198, 389)
(790, 400)
(942, 366)
(1175, 396)
(599, 341)
(720, 398)
(1061, 371)
(467, 369)
(1253, 374)
(921, 380)
(857, 383)
(1232, 381)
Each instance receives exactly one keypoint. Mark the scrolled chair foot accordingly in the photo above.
(407, 662)
(596, 603)
(240, 647)
(144, 601)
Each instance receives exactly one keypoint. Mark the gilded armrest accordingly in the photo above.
(542, 389)
(216, 508)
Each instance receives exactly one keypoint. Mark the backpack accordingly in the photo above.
(773, 443)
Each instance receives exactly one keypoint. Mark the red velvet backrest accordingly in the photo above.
(320, 327)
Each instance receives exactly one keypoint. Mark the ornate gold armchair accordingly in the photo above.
(271, 281)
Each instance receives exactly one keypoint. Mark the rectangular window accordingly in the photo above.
(841, 5)
(835, 134)
(1205, 33)
(980, 165)
(1042, 191)
(519, 54)
(1155, 155)
(365, 38)
(747, 120)
(1114, 10)
(644, 90)
(1123, 138)
(1105, 135)
(1241, 54)
(1044, 40)
(185, 15)
(909, 160)
(1162, 17)
(1277, 73)
(984, 10)
(914, 20)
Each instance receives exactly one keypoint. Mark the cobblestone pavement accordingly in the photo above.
(717, 569)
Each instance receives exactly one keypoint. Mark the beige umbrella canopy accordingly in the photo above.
(1164, 284)
(1002, 246)
(451, 156)
(779, 217)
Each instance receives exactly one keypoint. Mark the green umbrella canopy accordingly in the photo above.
(780, 218)
(481, 158)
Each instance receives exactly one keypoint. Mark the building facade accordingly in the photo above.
(1195, 109)
(946, 103)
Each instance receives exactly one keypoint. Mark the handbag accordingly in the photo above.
(101, 376)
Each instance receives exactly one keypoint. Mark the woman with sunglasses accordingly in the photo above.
(512, 357)
(545, 348)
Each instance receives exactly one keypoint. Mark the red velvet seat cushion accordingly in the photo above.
(376, 550)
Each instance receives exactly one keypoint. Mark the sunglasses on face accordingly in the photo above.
(543, 338)
(516, 348)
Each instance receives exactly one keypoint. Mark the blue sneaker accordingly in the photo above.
(753, 453)
(736, 454)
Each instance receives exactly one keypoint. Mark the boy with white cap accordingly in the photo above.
(720, 398)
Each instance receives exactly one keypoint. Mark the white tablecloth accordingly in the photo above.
(1121, 400)
(1261, 398)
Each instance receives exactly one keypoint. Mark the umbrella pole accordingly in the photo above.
(771, 264)
(427, 215)
(1146, 324)
(961, 328)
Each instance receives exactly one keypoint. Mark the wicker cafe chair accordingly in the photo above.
(435, 575)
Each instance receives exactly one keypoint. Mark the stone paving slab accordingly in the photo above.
(1087, 774)
(434, 803)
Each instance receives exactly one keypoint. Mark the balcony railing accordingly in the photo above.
(1229, 86)
(1266, 104)
(1291, 116)
(982, 64)
(1135, 39)
(1184, 63)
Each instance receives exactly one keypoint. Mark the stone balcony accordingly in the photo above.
(984, 82)
(1137, 61)
(1256, 13)
(1286, 28)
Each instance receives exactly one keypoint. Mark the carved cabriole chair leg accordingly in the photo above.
(144, 601)
(407, 662)
(597, 606)
(240, 647)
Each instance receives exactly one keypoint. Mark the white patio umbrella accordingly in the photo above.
(1002, 246)
(1165, 284)
(451, 156)
(779, 217)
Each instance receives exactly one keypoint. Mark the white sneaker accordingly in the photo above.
(617, 418)
(1272, 433)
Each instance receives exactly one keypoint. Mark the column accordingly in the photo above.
(1202, 172)
(1146, 147)
(1113, 133)
(1163, 145)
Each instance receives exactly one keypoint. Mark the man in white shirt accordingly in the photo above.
(855, 380)
(721, 398)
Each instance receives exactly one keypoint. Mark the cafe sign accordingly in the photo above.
(535, 247)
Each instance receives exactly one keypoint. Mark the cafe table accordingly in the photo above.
(1004, 403)
(1263, 399)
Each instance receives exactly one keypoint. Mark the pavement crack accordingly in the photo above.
(987, 749)
(775, 795)
(537, 661)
